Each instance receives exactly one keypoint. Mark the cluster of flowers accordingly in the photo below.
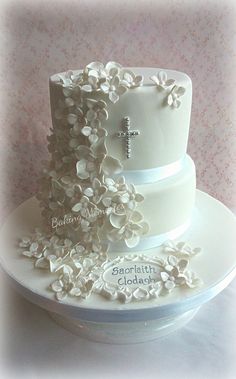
(82, 179)
(73, 263)
(78, 181)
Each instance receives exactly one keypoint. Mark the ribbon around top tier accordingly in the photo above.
(154, 174)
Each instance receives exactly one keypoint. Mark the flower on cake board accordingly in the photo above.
(180, 248)
(68, 285)
(175, 273)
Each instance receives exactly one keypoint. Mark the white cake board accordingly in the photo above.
(213, 228)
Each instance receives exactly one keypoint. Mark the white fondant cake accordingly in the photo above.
(119, 182)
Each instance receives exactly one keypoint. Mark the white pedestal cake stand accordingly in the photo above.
(213, 228)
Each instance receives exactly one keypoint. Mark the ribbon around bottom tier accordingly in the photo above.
(154, 174)
(151, 241)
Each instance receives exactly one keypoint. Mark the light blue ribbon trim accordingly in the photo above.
(154, 174)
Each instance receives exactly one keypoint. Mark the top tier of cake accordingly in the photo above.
(159, 111)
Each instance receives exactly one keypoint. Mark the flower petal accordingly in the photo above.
(176, 103)
(72, 118)
(113, 96)
(180, 91)
(95, 66)
(90, 115)
(139, 80)
(57, 286)
(162, 76)
(111, 65)
(69, 102)
(154, 79)
(117, 220)
(121, 90)
(132, 242)
(81, 169)
(115, 81)
(103, 115)
(164, 276)
(105, 87)
(136, 217)
(93, 138)
(169, 285)
(101, 104)
(145, 227)
(77, 207)
(124, 198)
(87, 88)
(75, 292)
(129, 76)
(183, 263)
(139, 197)
(169, 82)
(91, 103)
(86, 131)
(111, 165)
(89, 192)
(170, 99)
(140, 294)
(107, 201)
(172, 260)
(100, 148)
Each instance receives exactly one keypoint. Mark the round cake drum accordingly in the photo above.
(212, 228)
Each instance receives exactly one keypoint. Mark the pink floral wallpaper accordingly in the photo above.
(39, 38)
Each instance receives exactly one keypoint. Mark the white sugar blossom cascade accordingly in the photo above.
(79, 180)
(77, 185)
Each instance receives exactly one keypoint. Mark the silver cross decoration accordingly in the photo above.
(127, 134)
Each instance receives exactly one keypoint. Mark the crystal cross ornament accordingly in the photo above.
(127, 134)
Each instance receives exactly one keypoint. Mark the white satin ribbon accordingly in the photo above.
(151, 241)
(154, 174)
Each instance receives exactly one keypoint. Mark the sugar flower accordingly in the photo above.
(161, 80)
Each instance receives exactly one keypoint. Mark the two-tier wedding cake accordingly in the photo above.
(119, 183)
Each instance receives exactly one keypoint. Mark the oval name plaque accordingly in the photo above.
(132, 274)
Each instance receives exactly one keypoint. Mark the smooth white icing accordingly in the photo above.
(169, 203)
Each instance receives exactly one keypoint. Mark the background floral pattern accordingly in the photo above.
(39, 38)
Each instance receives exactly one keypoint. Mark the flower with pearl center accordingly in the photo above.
(113, 88)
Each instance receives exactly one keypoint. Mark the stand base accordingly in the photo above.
(124, 333)
(212, 228)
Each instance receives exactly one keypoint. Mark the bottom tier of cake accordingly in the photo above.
(167, 207)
